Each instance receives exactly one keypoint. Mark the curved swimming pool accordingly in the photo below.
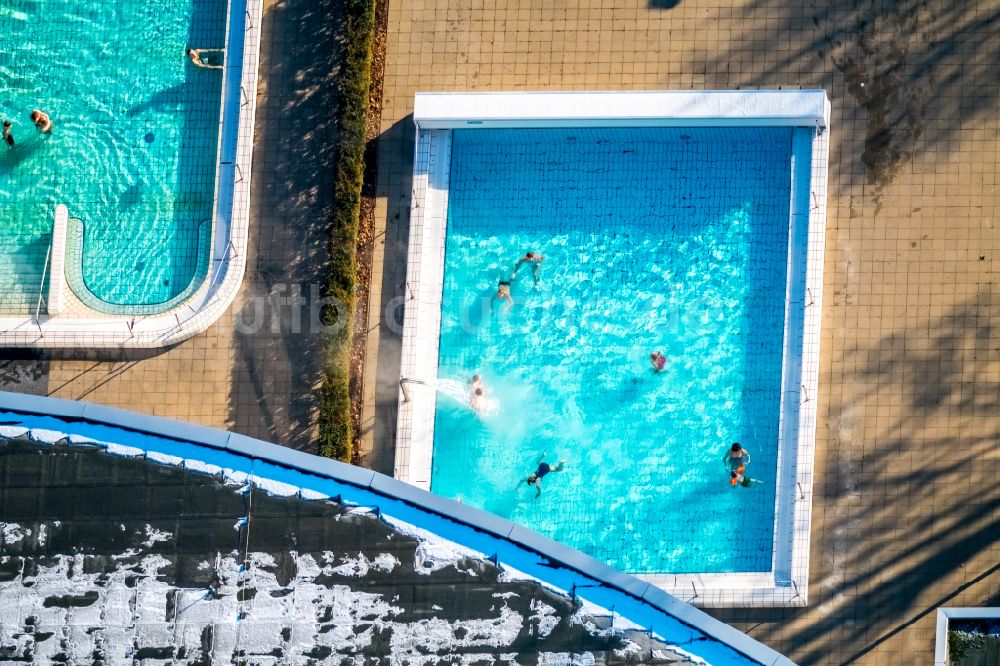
(133, 152)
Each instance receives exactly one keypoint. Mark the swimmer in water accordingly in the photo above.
(476, 399)
(543, 469)
(535, 260)
(8, 138)
(658, 360)
(42, 121)
(503, 294)
(738, 478)
(197, 57)
(736, 457)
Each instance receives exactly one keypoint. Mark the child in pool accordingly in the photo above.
(738, 478)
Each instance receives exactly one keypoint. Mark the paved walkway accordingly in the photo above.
(257, 370)
(906, 511)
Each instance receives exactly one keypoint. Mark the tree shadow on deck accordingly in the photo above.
(278, 345)
(395, 182)
(920, 71)
(916, 505)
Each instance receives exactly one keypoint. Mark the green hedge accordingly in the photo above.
(335, 432)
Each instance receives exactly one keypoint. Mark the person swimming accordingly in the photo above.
(476, 399)
(544, 468)
(41, 121)
(503, 293)
(658, 360)
(8, 138)
(738, 478)
(530, 258)
(479, 399)
(197, 57)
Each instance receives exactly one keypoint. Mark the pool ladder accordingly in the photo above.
(403, 381)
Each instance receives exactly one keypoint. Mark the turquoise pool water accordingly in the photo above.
(671, 240)
(134, 144)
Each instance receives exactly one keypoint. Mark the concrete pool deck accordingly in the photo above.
(910, 367)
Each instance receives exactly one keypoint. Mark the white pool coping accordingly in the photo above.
(437, 114)
(62, 330)
(944, 618)
(663, 108)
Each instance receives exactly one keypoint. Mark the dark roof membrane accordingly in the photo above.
(108, 558)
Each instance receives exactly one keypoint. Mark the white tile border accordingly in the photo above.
(57, 278)
(424, 278)
(232, 218)
(944, 617)
(806, 111)
(662, 108)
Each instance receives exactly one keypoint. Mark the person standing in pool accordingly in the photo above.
(736, 458)
(543, 469)
(42, 121)
(503, 293)
(198, 58)
(8, 138)
(530, 258)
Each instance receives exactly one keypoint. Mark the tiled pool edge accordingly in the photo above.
(435, 113)
(419, 360)
(230, 232)
(73, 232)
(639, 593)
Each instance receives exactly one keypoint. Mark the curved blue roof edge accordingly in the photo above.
(640, 592)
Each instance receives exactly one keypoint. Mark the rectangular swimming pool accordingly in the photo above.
(688, 239)
(655, 239)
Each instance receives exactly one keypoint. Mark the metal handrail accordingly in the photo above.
(230, 252)
(403, 381)
(41, 285)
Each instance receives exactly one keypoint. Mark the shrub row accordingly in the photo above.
(335, 434)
